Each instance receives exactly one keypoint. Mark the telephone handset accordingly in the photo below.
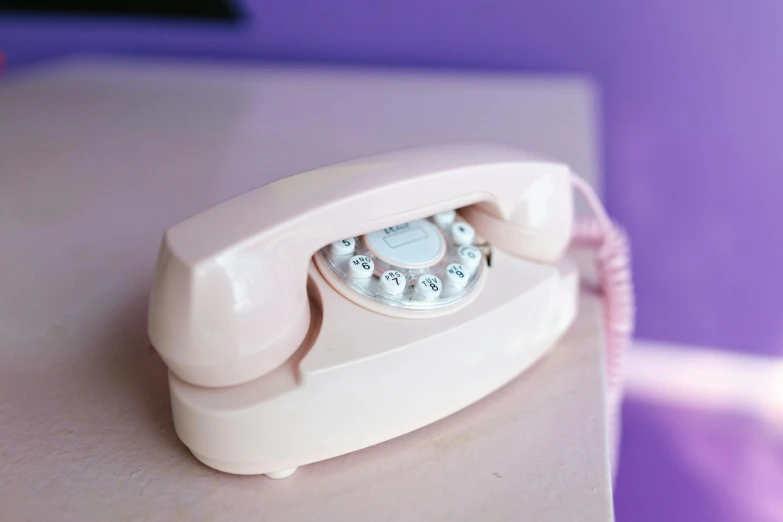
(344, 306)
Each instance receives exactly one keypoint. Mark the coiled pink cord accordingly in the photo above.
(616, 284)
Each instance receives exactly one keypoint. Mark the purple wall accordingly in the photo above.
(693, 114)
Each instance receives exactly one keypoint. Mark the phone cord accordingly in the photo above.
(616, 286)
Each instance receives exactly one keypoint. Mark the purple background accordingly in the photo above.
(693, 119)
(685, 465)
(693, 133)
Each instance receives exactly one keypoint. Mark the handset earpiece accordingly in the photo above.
(539, 227)
(229, 301)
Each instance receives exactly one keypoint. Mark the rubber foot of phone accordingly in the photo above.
(281, 474)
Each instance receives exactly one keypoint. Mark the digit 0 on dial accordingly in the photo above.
(469, 256)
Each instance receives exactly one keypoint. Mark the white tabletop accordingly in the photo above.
(97, 159)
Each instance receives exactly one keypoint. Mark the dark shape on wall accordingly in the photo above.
(185, 10)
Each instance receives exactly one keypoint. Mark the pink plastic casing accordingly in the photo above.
(229, 300)
(361, 377)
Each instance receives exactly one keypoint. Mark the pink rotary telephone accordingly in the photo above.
(348, 305)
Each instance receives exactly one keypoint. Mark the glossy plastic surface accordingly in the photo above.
(447, 284)
(229, 302)
(362, 378)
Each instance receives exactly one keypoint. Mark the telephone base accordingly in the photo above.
(363, 378)
(263, 467)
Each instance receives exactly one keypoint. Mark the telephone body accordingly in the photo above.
(342, 307)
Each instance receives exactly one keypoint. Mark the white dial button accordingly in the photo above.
(392, 282)
(343, 247)
(417, 244)
(444, 219)
(362, 267)
(457, 276)
(462, 233)
(469, 256)
(428, 287)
